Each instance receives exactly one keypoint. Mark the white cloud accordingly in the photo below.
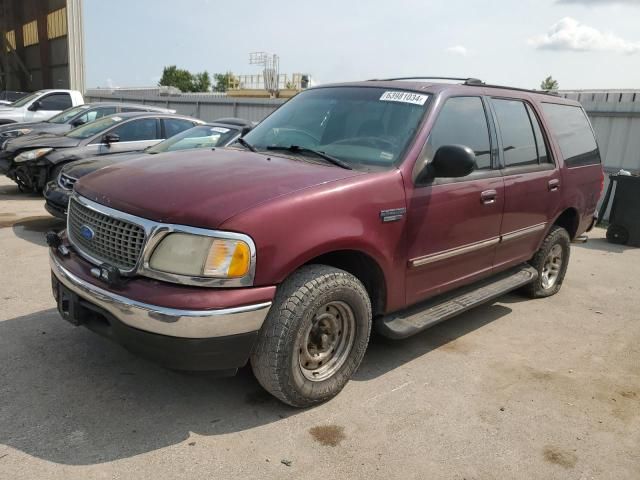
(458, 50)
(570, 34)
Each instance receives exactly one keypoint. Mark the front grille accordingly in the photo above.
(66, 182)
(116, 242)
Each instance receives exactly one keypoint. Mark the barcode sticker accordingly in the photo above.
(404, 97)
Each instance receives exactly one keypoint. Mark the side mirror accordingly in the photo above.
(244, 131)
(77, 122)
(35, 106)
(450, 161)
(111, 138)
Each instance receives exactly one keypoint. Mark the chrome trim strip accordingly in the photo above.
(154, 233)
(523, 232)
(436, 257)
(472, 247)
(162, 320)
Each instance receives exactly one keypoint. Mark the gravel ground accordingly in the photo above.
(545, 389)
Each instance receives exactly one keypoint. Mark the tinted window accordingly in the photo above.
(173, 126)
(462, 121)
(94, 128)
(540, 144)
(202, 136)
(518, 142)
(571, 128)
(67, 115)
(95, 114)
(135, 130)
(56, 101)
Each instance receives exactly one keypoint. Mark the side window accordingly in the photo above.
(56, 101)
(462, 121)
(96, 113)
(518, 141)
(173, 126)
(570, 126)
(136, 130)
(537, 130)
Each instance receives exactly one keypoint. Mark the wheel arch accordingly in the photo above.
(362, 266)
(569, 219)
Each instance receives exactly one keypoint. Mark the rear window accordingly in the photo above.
(570, 126)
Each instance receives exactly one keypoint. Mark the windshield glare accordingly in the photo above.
(94, 128)
(364, 126)
(23, 101)
(202, 136)
(64, 117)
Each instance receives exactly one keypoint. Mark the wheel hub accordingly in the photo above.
(551, 267)
(326, 344)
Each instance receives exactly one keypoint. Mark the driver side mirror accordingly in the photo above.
(111, 138)
(450, 161)
(78, 122)
(35, 106)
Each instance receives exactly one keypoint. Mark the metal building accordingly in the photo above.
(41, 44)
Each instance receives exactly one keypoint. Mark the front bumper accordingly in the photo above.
(218, 339)
(56, 200)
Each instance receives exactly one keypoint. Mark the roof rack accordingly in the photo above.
(474, 82)
(467, 80)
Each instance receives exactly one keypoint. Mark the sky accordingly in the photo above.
(583, 44)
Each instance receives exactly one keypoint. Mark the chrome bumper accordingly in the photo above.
(162, 320)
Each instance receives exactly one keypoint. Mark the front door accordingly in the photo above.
(454, 224)
(135, 135)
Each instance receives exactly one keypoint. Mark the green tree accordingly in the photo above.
(549, 84)
(173, 76)
(224, 81)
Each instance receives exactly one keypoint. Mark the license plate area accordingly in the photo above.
(68, 302)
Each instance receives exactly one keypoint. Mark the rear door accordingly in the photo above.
(454, 223)
(174, 126)
(532, 183)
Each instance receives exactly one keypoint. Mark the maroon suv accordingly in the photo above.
(388, 204)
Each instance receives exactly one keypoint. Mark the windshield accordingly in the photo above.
(23, 101)
(364, 127)
(64, 117)
(94, 128)
(202, 136)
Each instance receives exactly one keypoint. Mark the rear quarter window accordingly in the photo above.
(570, 126)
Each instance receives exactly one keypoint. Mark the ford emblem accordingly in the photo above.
(87, 232)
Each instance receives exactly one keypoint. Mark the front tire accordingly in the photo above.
(314, 337)
(551, 262)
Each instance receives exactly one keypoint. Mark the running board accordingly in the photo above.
(424, 315)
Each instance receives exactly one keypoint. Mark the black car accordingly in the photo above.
(217, 134)
(31, 161)
(71, 118)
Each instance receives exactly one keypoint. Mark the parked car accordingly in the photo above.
(72, 118)
(32, 161)
(39, 106)
(7, 97)
(209, 135)
(383, 204)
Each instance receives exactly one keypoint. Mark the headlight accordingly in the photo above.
(32, 155)
(201, 256)
(15, 133)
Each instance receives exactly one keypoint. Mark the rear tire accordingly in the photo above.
(314, 337)
(617, 234)
(551, 262)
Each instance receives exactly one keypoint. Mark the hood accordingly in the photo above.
(202, 188)
(15, 126)
(81, 168)
(35, 140)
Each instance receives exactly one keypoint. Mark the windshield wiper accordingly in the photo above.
(246, 144)
(298, 149)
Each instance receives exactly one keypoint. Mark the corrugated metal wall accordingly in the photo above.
(615, 116)
(206, 106)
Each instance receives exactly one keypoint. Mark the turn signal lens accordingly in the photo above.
(227, 258)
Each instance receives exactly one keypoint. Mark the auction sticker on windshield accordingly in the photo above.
(404, 97)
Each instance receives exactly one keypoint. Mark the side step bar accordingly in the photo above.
(424, 315)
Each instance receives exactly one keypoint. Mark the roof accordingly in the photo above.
(127, 115)
(469, 85)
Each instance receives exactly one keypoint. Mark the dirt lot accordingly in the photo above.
(546, 389)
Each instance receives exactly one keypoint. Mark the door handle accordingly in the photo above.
(553, 185)
(488, 197)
